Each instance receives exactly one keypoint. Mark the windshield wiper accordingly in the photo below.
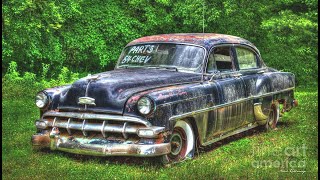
(169, 67)
(127, 66)
(123, 66)
(163, 67)
(156, 67)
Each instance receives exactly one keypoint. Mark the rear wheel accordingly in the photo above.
(273, 117)
(182, 143)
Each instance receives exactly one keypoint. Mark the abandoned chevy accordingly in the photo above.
(167, 95)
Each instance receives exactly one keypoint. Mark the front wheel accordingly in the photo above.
(182, 143)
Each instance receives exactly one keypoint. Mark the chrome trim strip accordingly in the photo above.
(183, 100)
(226, 104)
(87, 88)
(97, 117)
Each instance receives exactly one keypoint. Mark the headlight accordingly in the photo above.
(145, 105)
(41, 100)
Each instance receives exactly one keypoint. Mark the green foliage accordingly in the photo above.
(88, 36)
(12, 73)
(63, 76)
(294, 29)
(29, 77)
(45, 69)
(16, 86)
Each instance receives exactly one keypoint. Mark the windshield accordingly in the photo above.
(180, 57)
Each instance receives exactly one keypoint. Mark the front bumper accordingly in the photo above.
(98, 147)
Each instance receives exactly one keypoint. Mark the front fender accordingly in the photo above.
(171, 101)
(55, 94)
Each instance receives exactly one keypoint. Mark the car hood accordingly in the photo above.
(110, 90)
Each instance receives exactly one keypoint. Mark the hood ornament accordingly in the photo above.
(86, 100)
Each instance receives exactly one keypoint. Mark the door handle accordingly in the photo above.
(260, 72)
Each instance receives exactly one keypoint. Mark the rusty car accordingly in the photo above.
(167, 95)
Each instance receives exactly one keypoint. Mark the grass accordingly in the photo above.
(252, 155)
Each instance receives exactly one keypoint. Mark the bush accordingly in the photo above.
(14, 86)
(88, 36)
(12, 73)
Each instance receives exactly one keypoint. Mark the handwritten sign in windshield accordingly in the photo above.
(139, 54)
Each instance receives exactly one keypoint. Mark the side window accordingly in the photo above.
(246, 58)
(220, 59)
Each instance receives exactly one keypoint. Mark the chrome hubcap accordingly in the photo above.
(176, 144)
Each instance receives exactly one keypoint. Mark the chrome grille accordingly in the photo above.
(101, 123)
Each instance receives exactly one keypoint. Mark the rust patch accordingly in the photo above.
(40, 140)
(206, 40)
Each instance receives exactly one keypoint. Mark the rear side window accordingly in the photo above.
(220, 59)
(246, 58)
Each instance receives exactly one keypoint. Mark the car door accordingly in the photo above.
(230, 111)
(248, 65)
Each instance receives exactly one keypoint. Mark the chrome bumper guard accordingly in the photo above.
(88, 147)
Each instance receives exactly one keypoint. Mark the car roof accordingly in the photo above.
(206, 40)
